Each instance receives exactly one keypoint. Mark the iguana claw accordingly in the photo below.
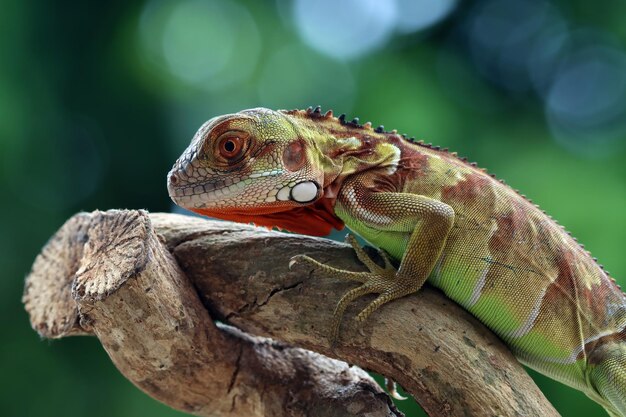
(379, 280)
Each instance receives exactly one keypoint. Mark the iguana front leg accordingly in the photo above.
(413, 228)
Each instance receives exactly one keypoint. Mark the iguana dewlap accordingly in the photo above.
(445, 220)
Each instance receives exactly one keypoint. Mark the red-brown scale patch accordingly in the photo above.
(509, 224)
(410, 157)
(412, 165)
(504, 233)
(597, 295)
(570, 290)
(363, 151)
(293, 156)
(387, 183)
(564, 284)
(342, 132)
(469, 189)
(595, 298)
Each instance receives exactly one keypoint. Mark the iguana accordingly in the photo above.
(445, 220)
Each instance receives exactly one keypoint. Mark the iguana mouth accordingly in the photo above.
(198, 194)
(182, 188)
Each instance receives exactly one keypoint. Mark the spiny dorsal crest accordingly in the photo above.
(315, 113)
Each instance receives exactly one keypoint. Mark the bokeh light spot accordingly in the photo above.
(586, 105)
(416, 15)
(503, 35)
(198, 40)
(345, 29)
(546, 55)
(201, 43)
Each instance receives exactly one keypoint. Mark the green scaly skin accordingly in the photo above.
(445, 220)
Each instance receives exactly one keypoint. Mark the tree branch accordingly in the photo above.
(109, 274)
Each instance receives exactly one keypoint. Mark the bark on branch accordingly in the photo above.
(112, 274)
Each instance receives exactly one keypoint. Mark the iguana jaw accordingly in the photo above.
(296, 213)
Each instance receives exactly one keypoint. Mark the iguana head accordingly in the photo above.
(259, 166)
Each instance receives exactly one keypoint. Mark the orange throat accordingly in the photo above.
(317, 219)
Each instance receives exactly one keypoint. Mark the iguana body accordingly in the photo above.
(446, 221)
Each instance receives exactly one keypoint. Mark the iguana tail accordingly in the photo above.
(607, 375)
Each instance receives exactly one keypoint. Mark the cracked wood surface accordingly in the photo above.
(144, 307)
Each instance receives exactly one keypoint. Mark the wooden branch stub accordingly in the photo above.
(118, 248)
(47, 296)
(149, 310)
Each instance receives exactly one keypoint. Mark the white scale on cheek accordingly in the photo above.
(304, 192)
(283, 194)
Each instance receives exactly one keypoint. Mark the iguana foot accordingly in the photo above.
(379, 280)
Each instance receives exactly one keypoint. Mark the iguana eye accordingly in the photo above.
(230, 147)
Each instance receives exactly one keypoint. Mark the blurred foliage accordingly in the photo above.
(99, 98)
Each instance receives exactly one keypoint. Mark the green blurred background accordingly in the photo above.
(97, 100)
